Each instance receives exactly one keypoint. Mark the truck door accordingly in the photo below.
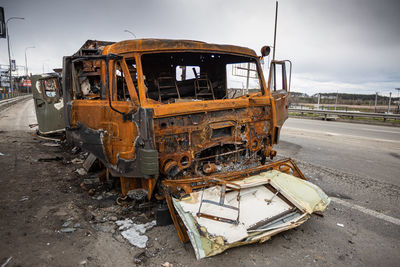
(49, 104)
(280, 88)
(122, 130)
(100, 107)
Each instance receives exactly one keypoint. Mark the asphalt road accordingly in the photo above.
(357, 165)
(366, 150)
(18, 117)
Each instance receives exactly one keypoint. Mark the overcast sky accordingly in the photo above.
(338, 45)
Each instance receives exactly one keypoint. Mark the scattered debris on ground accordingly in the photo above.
(6, 262)
(57, 158)
(77, 161)
(134, 233)
(24, 198)
(51, 144)
(81, 171)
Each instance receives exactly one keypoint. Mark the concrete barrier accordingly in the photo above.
(6, 102)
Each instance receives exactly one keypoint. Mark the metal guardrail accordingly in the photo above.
(7, 102)
(10, 96)
(352, 114)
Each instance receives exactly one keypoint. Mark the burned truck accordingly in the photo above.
(191, 123)
(154, 110)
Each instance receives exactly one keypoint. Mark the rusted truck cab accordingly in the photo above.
(153, 110)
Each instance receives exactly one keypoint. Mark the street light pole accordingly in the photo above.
(9, 55)
(130, 33)
(26, 68)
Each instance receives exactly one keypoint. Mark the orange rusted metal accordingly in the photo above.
(180, 227)
(116, 110)
(188, 185)
(128, 184)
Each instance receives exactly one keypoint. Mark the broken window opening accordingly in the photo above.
(87, 81)
(278, 79)
(122, 93)
(197, 76)
(186, 72)
(51, 87)
(242, 79)
(131, 63)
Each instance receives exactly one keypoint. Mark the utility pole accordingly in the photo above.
(26, 68)
(273, 55)
(9, 54)
(276, 24)
(398, 99)
(376, 99)
(390, 99)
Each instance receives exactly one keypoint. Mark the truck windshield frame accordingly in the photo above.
(209, 80)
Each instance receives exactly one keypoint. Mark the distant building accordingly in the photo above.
(4, 80)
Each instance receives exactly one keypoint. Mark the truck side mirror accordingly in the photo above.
(265, 50)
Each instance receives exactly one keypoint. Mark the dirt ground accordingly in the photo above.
(38, 197)
(40, 192)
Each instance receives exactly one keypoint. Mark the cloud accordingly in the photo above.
(335, 45)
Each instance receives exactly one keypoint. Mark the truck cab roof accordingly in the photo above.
(158, 45)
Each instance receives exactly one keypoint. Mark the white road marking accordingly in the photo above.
(367, 211)
(312, 131)
(337, 134)
(382, 131)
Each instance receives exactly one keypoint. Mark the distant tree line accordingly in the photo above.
(347, 99)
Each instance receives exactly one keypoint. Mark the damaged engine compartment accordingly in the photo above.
(216, 142)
